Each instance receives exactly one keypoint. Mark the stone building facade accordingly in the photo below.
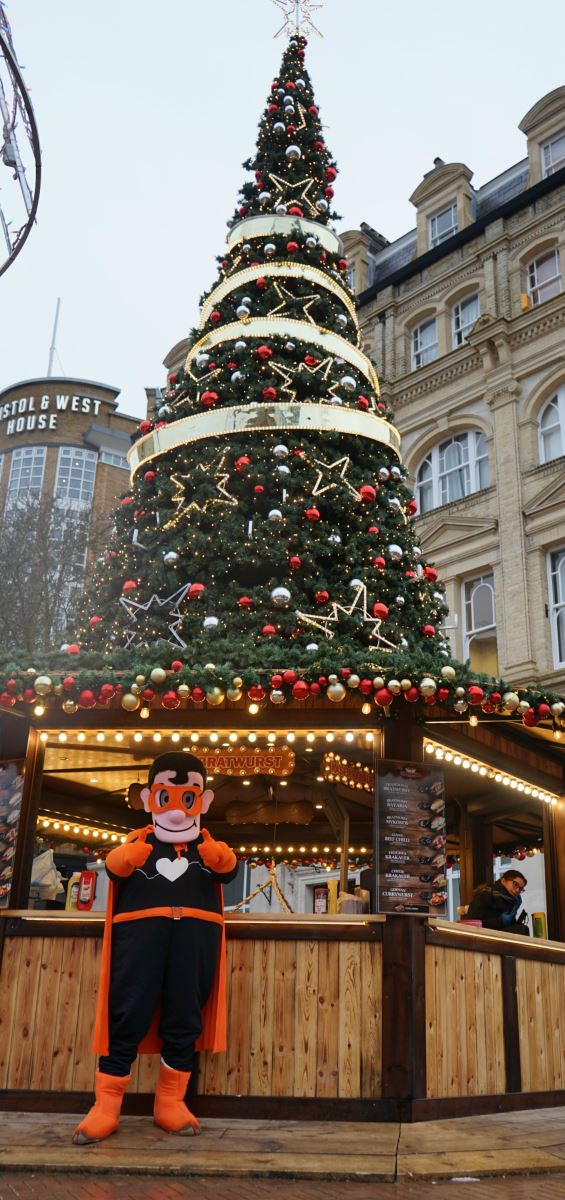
(464, 317)
(64, 438)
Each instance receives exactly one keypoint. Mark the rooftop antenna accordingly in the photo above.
(53, 348)
(297, 17)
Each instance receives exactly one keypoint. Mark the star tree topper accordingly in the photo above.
(297, 17)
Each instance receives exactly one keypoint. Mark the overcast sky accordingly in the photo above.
(146, 111)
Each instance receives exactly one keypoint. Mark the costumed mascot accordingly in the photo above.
(162, 980)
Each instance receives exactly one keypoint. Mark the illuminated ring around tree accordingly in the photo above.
(34, 138)
(270, 225)
(281, 270)
(259, 418)
(287, 328)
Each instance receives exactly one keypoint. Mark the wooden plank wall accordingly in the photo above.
(464, 1023)
(305, 1019)
(541, 1024)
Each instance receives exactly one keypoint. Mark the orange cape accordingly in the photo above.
(213, 1036)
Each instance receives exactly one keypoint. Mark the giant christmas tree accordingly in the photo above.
(268, 528)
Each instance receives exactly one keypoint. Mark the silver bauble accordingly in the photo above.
(240, 345)
(460, 706)
(394, 502)
(170, 558)
(264, 197)
(384, 474)
(279, 128)
(281, 451)
(283, 469)
(289, 346)
(300, 83)
(279, 92)
(237, 377)
(311, 242)
(275, 515)
(395, 552)
(400, 601)
(335, 400)
(439, 596)
(312, 647)
(293, 153)
(356, 583)
(242, 311)
(280, 597)
(394, 686)
(403, 644)
(247, 247)
(269, 249)
(202, 360)
(322, 205)
(334, 539)
(348, 382)
(416, 551)
(229, 222)
(276, 696)
(280, 210)
(246, 300)
(210, 623)
(396, 472)
(341, 319)
(164, 411)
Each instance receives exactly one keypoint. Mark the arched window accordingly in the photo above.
(552, 427)
(463, 317)
(479, 623)
(452, 469)
(543, 276)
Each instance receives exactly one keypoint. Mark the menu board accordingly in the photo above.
(410, 839)
(11, 789)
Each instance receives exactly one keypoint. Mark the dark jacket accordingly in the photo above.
(497, 909)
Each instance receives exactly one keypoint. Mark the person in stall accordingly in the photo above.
(497, 905)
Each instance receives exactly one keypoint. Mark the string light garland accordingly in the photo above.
(75, 829)
(484, 770)
(358, 776)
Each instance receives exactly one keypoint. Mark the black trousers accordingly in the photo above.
(159, 959)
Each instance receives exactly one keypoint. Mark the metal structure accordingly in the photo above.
(20, 157)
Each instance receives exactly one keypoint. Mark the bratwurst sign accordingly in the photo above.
(29, 413)
(247, 762)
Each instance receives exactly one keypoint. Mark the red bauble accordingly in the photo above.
(170, 700)
(495, 697)
(160, 424)
(148, 694)
(529, 718)
(256, 692)
(318, 144)
(269, 394)
(342, 264)
(208, 399)
(264, 353)
(321, 597)
(294, 210)
(380, 610)
(245, 602)
(198, 695)
(379, 563)
(68, 683)
(383, 697)
(412, 507)
(411, 695)
(292, 129)
(6, 700)
(442, 694)
(373, 529)
(289, 677)
(329, 193)
(243, 210)
(487, 707)
(310, 360)
(345, 672)
(366, 687)
(258, 489)
(276, 681)
(295, 563)
(149, 476)
(215, 316)
(107, 691)
(322, 681)
(87, 699)
(543, 712)
(195, 590)
(330, 174)
(129, 585)
(428, 630)
(362, 403)
(261, 283)
(290, 86)
(74, 648)
(242, 462)
(430, 573)
(126, 500)
(273, 108)
(94, 621)
(300, 690)
(312, 514)
(368, 493)
(292, 247)
(410, 575)
(475, 695)
(177, 665)
(315, 689)
(11, 686)
(29, 695)
(145, 426)
(314, 113)
(172, 377)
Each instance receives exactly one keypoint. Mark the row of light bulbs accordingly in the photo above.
(301, 850)
(59, 825)
(213, 737)
(443, 754)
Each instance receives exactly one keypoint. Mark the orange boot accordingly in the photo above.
(104, 1116)
(170, 1111)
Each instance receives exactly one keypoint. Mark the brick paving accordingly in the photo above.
(73, 1186)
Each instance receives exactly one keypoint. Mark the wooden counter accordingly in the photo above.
(352, 1016)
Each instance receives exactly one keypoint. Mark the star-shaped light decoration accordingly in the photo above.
(282, 188)
(215, 470)
(286, 297)
(341, 465)
(373, 623)
(297, 17)
(134, 611)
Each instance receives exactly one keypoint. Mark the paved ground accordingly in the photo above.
(23, 1186)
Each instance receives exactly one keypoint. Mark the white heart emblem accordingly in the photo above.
(172, 868)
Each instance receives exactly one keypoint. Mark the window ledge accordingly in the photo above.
(456, 505)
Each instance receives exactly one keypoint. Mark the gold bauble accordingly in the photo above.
(43, 684)
(58, 689)
(183, 691)
(378, 681)
(158, 675)
(448, 672)
(130, 702)
(234, 693)
(69, 706)
(353, 681)
(30, 671)
(135, 688)
(405, 684)
(139, 679)
(237, 681)
(336, 692)
(215, 696)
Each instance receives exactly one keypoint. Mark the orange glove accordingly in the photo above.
(216, 855)
(124, 859)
